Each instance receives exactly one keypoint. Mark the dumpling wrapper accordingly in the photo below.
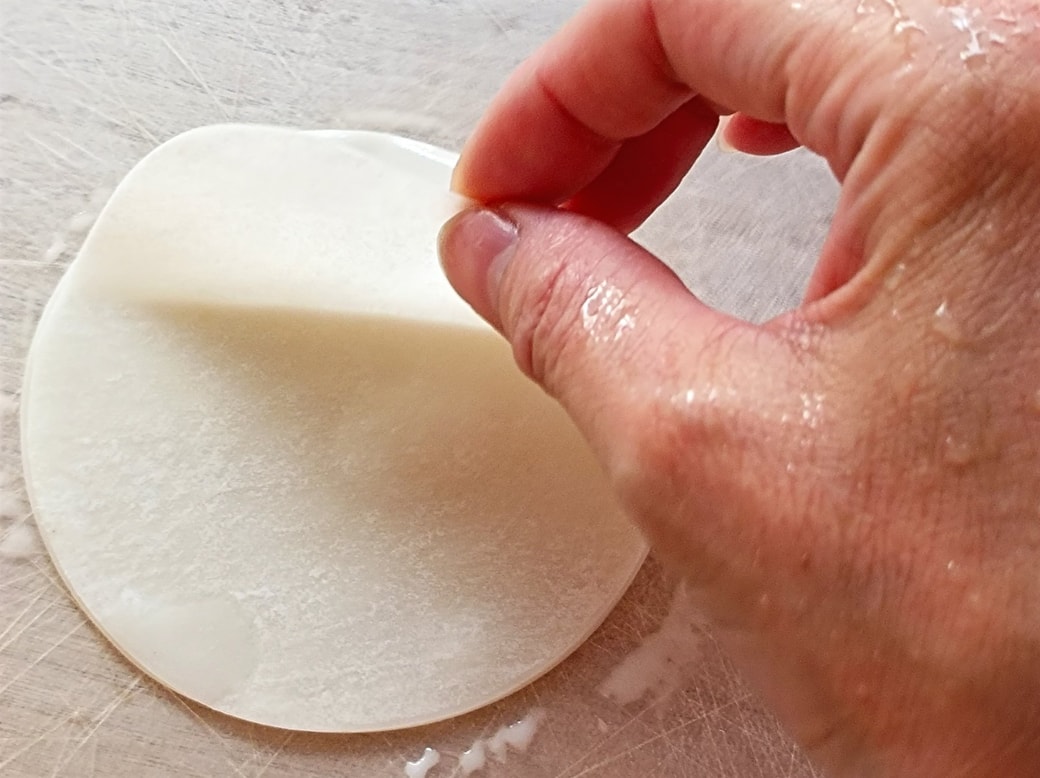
(284, 468)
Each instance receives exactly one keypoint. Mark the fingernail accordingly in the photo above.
(475, 248)
(720, 137)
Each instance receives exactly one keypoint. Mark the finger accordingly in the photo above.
(605, 327)
(535, 118)
(751, 136)
(647, 169)
(622, 66)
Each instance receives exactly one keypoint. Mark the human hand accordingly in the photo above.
(853, 489)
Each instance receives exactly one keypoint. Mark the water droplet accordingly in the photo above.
(79, 717)
(685, 399)
(945, 325)
(605, 315)
(206, 649)
(894, 277)
(664, 660)
(82, 221)
(55, 250)
(1036, 401)
(959, 451)
(517, 735)
(423, 765)
(473, 759)
(806, 335)
(812, 408)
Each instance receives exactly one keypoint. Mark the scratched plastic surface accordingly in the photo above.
(85, 90)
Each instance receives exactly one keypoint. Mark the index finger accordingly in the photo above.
(620, 68)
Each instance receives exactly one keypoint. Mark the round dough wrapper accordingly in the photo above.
(284, 468)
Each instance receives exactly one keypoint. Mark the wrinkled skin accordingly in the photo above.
(852, 489)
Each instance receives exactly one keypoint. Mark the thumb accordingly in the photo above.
(614, 335)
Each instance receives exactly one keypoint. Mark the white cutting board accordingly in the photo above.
(86, 89)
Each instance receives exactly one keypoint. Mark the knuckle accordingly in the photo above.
(736, 426)
(542, 317)
(696, 425)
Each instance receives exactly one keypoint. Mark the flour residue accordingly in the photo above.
(664, 660)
